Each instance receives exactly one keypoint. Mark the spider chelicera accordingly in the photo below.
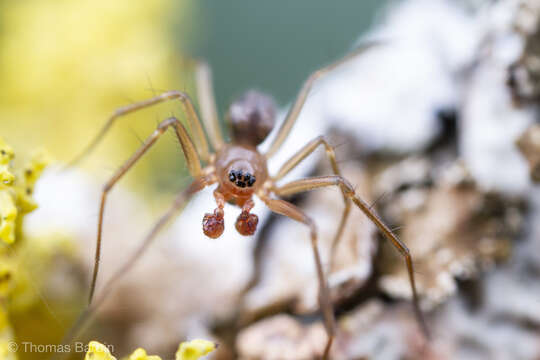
(240, 171)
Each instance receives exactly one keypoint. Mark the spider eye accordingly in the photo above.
(232, 176)
(250, 179)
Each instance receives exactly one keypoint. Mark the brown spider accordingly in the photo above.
(240, 171)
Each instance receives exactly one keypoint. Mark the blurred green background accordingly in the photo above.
(272, 45)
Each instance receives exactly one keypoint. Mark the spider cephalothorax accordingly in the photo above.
(241, 171)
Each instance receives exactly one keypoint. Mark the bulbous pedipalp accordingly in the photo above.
(246, 223)
(213, 224)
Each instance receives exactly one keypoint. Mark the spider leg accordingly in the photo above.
(193, 163)
(347, 188)
(295, 109)
(178, 203)
(207, 102)
(304, 152)
(287, 209)
(193, 120)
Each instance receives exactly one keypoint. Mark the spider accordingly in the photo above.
(240, 171)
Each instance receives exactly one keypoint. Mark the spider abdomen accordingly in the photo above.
(251, 117)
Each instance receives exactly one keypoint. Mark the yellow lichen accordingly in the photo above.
(6, 279)
(16, 191)
(6, 155)
(140, 354)
(26, 182)
(98, 351)
(8, 215)
(194, 349)
(23, 261)
(5, 352)
(188, 350)
(6, 337)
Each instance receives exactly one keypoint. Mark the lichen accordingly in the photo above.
(140, 354)
(529, 145)
(24, 260)
(6, 336)
(188, 350)
(452, 227)
(16, 190)
(98, 351)
(194, 349)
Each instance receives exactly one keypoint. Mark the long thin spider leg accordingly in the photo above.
(287, 209)
(191, 114)
(179, 202)
(297, 158)
(295, 109)
(207, 102)
(324, 181)
(193, 163)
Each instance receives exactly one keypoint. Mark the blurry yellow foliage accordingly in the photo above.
(16, 191)
(24, 261)
(97, 351)
(189, 350)
(140, 354)
(8, 210)
(67, 65)
(6, 155)
(194, 349)
(6, 336)
(16, 200)
(6, 285)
